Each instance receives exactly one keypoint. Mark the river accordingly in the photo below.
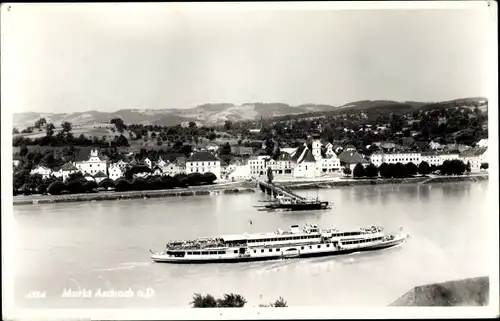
(104, 245)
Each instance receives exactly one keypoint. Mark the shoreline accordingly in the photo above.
(381, 181)
(237, 188)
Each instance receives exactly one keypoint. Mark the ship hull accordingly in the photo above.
(299, 207)
(336, 252)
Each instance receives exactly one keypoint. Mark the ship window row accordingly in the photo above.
(345, 234)
(206, 253)
(270, 250)
(305, 237)
(362, 241)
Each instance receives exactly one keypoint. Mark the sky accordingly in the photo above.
(69, 58)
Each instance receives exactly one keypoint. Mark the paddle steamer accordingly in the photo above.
(310, 241)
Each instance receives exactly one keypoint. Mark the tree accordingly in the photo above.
(385, 170)
(484, 166)
(371, 171)
(231, 300)
(280, 303)
(106, 183)
(39, 123)
(49, 129)
(119, 124)
(204, 301)
(347, 171)
(192, 124)
(270, 175)
(24, 151)
(15, 131)
(122, 185)
(76, 186)
(424, 168)
(411, 169)
(66, 127)
(228, 125)
(209, 178)
(359, 171)
(467, 168)
(225, 149)
(90, 185)
(56, 188)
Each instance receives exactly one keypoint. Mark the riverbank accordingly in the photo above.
(238, 187)
(465, 292)
(230, 188)
(334, 183)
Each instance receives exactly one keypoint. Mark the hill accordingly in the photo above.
(218, 113)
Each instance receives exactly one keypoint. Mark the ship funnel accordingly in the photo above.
(294, 229)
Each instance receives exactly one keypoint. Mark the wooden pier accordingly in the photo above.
(275, 190)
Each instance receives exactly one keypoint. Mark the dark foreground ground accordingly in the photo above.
(465, 292)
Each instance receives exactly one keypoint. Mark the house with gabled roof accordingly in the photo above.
(99, 176)
(306, 164)
(350, 159)
(475, 157)
(68, 169)
(203, 162)
(92, 162)
(88, 177)
(41, 170)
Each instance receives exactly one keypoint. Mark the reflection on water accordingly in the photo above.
(105, 245)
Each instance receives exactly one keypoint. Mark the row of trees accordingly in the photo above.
(76, 183)
(229, 300)
(400, 170)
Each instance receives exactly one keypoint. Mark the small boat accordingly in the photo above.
(294, 204)
(310, 241)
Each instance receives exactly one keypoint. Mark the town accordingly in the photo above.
(325, 153)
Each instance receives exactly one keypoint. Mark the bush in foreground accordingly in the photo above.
(229, 300)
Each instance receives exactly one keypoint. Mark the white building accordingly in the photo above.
(329, 151)
(67, 170)
(203, 162)
(115, 171)
(172, 169)
(306, 164)
(475, 157)
(257, 166)
(240, 172)
(378, 158)
(93, 165)
(41, 170)
(483, 143)
(448, 156)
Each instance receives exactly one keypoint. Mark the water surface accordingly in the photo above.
(104, 245)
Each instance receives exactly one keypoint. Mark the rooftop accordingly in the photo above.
(202, 157)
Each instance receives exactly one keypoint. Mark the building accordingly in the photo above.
(378, 158)
(203, 162)
(306, 164)
(93, 164)
(16, 159)
(115, 171)
(350, 159)
(240, 171)
(483, 143)
(475, 157)
(99, 176)
(67, 170)
(88, 177)
(330, 150)
(431, 158)
(41, 170)
(257, 165)
(157, 170)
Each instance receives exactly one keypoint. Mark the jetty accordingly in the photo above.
(275, 190)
